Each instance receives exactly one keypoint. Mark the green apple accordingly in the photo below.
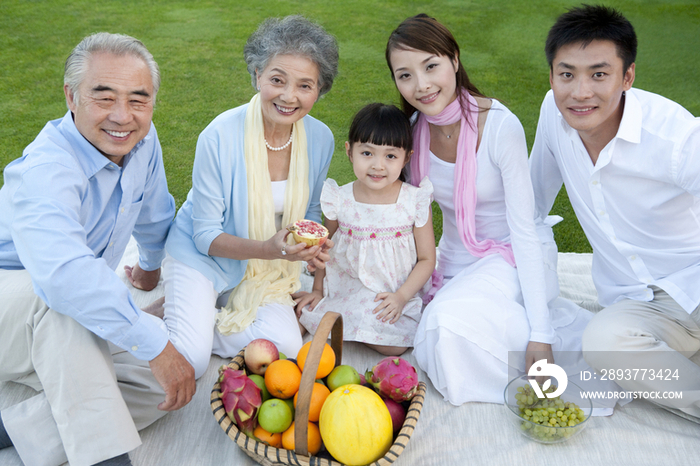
(260, 382)
(342, 375)
(290, 403)
(275, 416)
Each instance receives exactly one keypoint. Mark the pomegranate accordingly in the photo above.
(309, 232)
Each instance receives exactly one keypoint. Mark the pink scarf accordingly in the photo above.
(465, 175)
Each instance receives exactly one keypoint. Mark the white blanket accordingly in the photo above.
(474, 433)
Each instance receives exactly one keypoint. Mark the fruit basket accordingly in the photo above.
(332, 323)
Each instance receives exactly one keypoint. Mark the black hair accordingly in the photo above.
(587, 23)
(383, 125)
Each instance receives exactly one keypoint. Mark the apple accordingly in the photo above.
(290, 403)
(342, 375)
(260, 382)
(275, 416)
(398, 413)
(259, 354)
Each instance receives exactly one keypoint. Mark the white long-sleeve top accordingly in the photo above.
(504, 212)
(638, 205)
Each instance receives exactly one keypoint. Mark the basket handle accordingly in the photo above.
(331, 323)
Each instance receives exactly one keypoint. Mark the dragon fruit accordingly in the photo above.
(394, 378)
(241, 398)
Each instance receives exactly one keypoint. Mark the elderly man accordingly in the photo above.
(630, 161)
(68, 325)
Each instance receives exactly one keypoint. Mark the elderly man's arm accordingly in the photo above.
(50, 242)
(153, 222)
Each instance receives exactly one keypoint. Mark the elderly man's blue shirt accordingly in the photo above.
(67, 214)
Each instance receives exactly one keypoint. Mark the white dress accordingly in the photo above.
(472, 337)
(374, 252)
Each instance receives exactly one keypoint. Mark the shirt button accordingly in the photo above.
(594, 183)
(601, 213)
(633, 258)
(122, 209)
(134, 348)
(111, 244)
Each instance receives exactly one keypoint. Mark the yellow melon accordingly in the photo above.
(355, 425)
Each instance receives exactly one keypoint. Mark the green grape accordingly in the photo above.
(553, 418)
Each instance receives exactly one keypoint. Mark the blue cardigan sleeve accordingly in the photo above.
(321, 145)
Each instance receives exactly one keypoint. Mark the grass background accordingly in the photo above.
(199, 47)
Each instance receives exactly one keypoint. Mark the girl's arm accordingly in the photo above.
(316, 295)
(392, 304)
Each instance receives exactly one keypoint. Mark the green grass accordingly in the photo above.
(199, 47)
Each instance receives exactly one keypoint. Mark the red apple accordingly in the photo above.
(259, 354)
(398, 414)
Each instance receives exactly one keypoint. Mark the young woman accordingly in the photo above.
(490, 260)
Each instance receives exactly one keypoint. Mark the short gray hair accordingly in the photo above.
(116, 44)
(293, 35)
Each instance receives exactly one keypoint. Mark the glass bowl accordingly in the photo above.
(547, 433)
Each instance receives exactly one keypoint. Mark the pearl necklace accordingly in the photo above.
(277, 149)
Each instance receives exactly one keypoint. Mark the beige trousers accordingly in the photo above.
(655, 336)
(92, 400)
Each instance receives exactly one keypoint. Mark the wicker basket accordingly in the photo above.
(270, 456)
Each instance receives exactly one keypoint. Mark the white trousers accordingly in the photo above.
(655, 335)
(92, 401)
(191, 305)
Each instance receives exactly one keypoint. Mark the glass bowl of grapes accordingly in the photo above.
(552, 419)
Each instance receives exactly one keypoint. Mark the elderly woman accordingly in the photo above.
(231, 271)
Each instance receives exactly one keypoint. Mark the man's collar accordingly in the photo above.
(631, 124)
(630, 128)
(91, 159)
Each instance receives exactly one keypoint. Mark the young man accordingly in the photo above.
(630, 161)
(69, 206)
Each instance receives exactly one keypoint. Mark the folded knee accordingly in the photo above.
(289, 344)
(199, 359)
(603, 338)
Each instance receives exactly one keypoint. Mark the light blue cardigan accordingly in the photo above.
(218, 200)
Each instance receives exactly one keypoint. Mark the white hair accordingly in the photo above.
(116, 44)
(293, 35)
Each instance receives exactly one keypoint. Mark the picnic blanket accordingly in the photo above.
(472, 434)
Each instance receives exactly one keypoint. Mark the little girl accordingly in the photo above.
(384, 249)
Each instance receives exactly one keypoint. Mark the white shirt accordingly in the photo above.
(504, 212)
(278, 189)
(638, 205)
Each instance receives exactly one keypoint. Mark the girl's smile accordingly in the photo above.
(377, 168)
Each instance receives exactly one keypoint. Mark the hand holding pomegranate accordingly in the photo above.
(278, 248)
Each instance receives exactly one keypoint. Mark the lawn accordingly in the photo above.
(199, 47)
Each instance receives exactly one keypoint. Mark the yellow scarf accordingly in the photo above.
(267, 281)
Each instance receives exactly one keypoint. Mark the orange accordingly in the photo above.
(313, 437)
(274, 440)
(325, 366)
(282, 378)
(319, 393)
